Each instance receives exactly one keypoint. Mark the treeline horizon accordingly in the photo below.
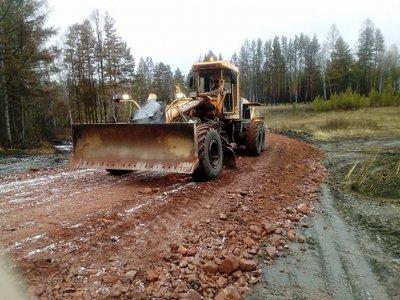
(45, 89)
(299, 69)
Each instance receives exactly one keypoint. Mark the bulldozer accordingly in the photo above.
(197, 134)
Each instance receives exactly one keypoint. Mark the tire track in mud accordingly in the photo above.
(47, 192)
(331, 265)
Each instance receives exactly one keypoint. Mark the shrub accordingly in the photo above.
(319, 104)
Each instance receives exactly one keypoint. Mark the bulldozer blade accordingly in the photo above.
(168, 148)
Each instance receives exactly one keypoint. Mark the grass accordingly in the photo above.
(379, 175)
(366, 122)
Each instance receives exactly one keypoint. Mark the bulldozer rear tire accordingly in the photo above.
(255, 138)
(210, 154)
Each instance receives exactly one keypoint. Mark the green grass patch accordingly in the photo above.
(378, 176)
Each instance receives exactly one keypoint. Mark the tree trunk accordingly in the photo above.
(3, 85)
(7, 119)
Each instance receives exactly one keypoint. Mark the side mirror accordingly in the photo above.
(233, 78)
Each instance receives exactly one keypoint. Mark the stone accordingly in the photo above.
(243, 193)
(183, 264)
(228, 293)
(271, 251)
(229, 265)
(256, 229)
(301, 239)
(223, 216)
(182, 250)
(210, 267)
(109, 278)
(247, 265)
(221, 282)
(236, 252)
(269, 228)
(293, 218)
(303, 208)
(289, 210)
(131, 274)
(274, 239)
(237, 274)
(248, 241)
(191, 252)
(253, 250)
(152, 275)
(117, 289)
(291, 236)
(222, 233)
(174, 247)
(191, 295)
(146, 190)
(36, 290)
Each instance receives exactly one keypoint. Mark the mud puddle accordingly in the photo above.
(20, 163)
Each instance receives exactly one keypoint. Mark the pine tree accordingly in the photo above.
(365, 54)
(339, 70)
(163, 84)
(179, 80)
(99, 65)
(379, 50)
(24, 72)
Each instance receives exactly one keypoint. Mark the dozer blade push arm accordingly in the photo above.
(152, 147)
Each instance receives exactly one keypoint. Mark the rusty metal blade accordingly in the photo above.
(153, 147)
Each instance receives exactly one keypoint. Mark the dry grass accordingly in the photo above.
(367, 122)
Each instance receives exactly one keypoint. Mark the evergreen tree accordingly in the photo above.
(312, 67)
(24, 72)
(179, 80)
(245, 68)
(277, 70)
(99, 65)
(365, 55)
(163, 84)
(143, 79)
(379, 50)
(339, 70)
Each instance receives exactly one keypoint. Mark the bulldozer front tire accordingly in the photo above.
(255, 138)
(210, 154)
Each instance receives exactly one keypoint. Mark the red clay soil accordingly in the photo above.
(84, 234)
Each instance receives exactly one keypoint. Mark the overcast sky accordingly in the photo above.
(177, 32)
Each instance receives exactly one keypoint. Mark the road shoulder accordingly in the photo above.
(329, 265)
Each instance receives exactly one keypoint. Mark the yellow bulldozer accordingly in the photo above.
(196, 134)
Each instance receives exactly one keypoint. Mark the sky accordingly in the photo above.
(178, 32)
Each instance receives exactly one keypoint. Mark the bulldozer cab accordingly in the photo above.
(207, 74)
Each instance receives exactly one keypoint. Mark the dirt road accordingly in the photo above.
(83, 234)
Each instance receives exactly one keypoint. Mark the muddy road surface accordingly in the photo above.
(84, 234)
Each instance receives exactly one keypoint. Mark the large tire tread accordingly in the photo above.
(205, 171)
(255, 138)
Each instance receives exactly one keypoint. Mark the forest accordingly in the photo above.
(44, 89)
